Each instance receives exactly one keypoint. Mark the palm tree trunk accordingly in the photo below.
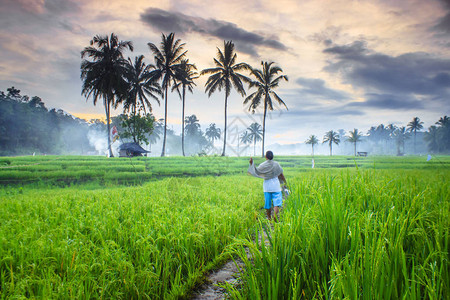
(415, 142)
(254, 145)
(355, 148)
(331, 149)
(225, 128)
(165, 123)
(312, 145)
(264, 127)
(182, 122)
(107, 110)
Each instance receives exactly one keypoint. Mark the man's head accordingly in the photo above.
(269, 155)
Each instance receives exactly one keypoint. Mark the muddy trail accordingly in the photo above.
(227, 273)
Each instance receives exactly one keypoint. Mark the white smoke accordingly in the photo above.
(99, 141)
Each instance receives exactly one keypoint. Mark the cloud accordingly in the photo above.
(443, 24)
(408, 75)
(388, 101)
(316, 87)
(180, 23)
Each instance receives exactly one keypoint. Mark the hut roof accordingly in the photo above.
(133, 147)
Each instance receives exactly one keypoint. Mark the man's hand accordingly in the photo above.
(251, 160)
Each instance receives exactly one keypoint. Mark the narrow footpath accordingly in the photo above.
(229, 272)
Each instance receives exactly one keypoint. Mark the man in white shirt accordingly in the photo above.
(272, 173)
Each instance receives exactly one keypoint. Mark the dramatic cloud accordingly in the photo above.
(407, 76)
(443, 24)
(316, 87)
(388, 101)
(180, 23)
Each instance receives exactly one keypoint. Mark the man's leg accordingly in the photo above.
(269, 213)
(277, 203)
(275, 213)
(268, 204)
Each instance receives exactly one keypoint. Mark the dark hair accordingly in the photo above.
(269, 155)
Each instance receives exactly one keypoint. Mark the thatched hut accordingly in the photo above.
(131, 149)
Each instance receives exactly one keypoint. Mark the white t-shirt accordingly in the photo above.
(272, 185)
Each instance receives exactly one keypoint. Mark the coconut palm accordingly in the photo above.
(354, 137)
(432, 137)
(400, 135)
(312, 140)
(245, 138)
(103, 75)
(212, 133)
(185, 80)
(192, 125)
(255, 134)
(330, 138)
(141, 85)
(168, 59)
(414, 126)
(225, 75)
(266, 81)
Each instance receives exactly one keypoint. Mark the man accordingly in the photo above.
(272, 173)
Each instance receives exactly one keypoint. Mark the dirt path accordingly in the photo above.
(229, 272)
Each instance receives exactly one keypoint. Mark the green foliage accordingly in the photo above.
(369, 234)
(137, 127)
(352, 228)
(26, 126)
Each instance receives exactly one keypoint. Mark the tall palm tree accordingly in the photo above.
(212, 133)
(141, 84)
(414, 126)
(354, 137)
(225, 75)
(255, 134)
(266, 81)
(185, 80)
(168, 59)
(104, 74)
(312, 140)
(331, 137)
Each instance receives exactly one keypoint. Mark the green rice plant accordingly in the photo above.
(153, 241)
(363, 234)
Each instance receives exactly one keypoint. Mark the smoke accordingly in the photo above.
(98, 140)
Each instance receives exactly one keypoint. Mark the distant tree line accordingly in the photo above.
(437, 137)
(27, 127)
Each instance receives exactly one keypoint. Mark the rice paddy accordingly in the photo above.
(151, 228)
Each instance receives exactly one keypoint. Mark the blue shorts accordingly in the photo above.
(276, 197)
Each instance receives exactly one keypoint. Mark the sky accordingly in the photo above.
(350, 64)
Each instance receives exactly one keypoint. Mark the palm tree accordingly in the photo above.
(168, 60)
(414, 126)
(354, 137)
(192, 125)
(141, 85)
(245, 138)
(255, 134)
(104, 75)
(212, 133)
(331, 137)
(225, 75)
(400, 135)
(185, 80)
(266, 81)
(312, 141)
(432, 137)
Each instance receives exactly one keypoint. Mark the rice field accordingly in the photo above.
(151, 228)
